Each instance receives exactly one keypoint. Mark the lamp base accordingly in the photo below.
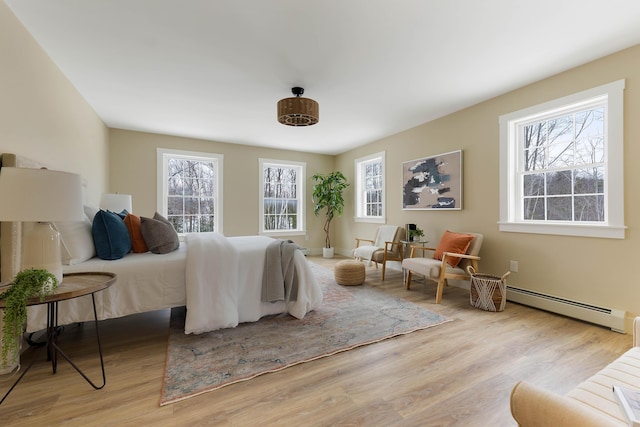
(41, 249)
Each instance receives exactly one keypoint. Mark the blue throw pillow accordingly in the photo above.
(110, 235)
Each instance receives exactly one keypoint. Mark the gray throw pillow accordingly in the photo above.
(159, 235)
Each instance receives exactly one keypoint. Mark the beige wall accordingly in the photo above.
(42, 116)
(597, 271)
(133, 171)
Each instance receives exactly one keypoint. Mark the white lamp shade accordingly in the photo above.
(40, 195)
(116, 202)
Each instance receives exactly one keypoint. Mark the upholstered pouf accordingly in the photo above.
(349, 272)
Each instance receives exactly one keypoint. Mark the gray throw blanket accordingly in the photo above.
(280, 281)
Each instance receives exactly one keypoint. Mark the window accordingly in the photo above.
(370, 192)
(189, 190)
(561, 166)
(282, 197)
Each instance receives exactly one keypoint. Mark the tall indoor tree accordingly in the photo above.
(327, 194)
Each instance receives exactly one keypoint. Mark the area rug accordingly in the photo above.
(349, 317)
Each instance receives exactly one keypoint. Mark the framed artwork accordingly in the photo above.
(433, 182)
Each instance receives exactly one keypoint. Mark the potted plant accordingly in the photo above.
(27, 284)
(415, 234)
(327, 194)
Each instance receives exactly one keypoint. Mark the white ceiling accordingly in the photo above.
(215, 69)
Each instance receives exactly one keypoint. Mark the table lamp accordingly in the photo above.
(116, 202)
(40, 196)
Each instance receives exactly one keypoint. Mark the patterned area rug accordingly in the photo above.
(349, 317)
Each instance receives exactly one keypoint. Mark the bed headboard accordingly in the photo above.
(11, 232)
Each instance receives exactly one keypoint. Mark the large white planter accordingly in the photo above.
(327, 252)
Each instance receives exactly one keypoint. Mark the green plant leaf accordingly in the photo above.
(327, 195)
(27, 284)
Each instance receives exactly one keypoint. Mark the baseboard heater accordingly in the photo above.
(609, 317)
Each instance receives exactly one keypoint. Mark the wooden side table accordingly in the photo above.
(74, 285)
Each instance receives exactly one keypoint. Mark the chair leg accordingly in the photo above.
(407, 284)
(440, 289)
(384, 267)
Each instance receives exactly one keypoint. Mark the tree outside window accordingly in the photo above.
(190, 195)
(562, 166)
(282, 201)
(563, 175)
(370, 194)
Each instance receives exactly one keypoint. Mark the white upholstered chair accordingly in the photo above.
(450, 259)
(386, 246)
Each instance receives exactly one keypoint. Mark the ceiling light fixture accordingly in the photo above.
(298, 111)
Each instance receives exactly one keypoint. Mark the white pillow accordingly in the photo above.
(90, 212)
(76, 241)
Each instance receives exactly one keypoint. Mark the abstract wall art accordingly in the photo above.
(433, 182)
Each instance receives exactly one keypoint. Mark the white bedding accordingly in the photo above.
(148, 282)
(145, 282)
(214, 261)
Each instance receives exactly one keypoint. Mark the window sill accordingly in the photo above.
(601, 231)
(275, 233)
(370, 220)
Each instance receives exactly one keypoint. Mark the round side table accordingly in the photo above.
(74, 285)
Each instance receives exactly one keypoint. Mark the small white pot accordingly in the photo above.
(327, 252)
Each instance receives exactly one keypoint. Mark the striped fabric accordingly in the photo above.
(590, 403)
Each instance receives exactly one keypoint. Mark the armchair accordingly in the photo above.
(454, 253)
(386, 246)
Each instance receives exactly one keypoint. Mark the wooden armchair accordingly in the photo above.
(454, 253)
(386, 246)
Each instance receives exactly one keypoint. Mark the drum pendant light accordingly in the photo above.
(298, 111)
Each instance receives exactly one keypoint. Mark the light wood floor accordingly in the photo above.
(456, 374)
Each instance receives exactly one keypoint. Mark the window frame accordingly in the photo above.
(510, 195)
(301, 187)
(360, 193)
(163, 154)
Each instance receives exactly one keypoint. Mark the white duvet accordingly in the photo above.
(218, 278)
(224, 283)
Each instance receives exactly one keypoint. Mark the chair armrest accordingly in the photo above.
(636, 332)
(457, 255)
(532, 406)
(358, 240)
(388, 249)
(388, 246)
(418, 247)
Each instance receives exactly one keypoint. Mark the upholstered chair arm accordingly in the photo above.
(532, 406)
(636, 332)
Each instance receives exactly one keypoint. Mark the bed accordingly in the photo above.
(219, 279)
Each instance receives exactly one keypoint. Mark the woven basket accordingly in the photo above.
(349, 272)
(488, 292)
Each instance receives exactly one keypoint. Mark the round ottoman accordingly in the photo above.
(349, 272)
